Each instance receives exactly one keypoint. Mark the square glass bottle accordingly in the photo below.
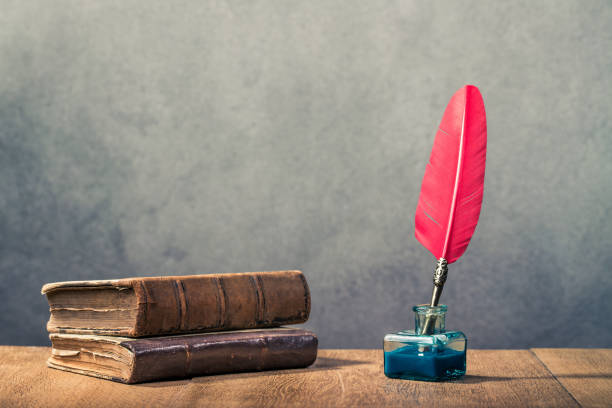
(415, 355)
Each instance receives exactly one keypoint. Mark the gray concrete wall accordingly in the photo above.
(152, 137)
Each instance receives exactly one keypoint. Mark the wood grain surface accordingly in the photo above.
(585, 373)
(496, 378)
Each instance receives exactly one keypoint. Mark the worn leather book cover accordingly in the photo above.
(137, 307)
(130, 360)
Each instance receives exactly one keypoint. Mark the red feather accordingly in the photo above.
(451, 193)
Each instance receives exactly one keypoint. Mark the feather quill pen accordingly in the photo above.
(452, 188)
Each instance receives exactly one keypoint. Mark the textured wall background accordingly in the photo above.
(152, 137)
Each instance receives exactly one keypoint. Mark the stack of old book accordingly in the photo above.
(144, 329)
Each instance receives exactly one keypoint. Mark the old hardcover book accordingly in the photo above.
(137, 307)
(130, 360)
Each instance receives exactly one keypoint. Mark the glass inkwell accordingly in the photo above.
(428, 353)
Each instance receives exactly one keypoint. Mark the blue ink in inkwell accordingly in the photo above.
(415, 355)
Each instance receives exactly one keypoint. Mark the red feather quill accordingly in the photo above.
(451, 193)
(452, 189)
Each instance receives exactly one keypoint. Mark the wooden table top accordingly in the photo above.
(505, 378)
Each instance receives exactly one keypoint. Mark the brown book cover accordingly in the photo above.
(137, 307)
(129, 360)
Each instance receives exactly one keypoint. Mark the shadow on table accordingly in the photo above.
(321, 364)
(603, 376)
(477, 379)
(327, 362)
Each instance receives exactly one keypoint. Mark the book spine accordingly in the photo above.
(189, 356)
(220, 302)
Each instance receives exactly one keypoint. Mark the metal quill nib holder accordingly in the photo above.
(439, 278)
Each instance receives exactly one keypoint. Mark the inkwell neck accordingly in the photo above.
(424, 312)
